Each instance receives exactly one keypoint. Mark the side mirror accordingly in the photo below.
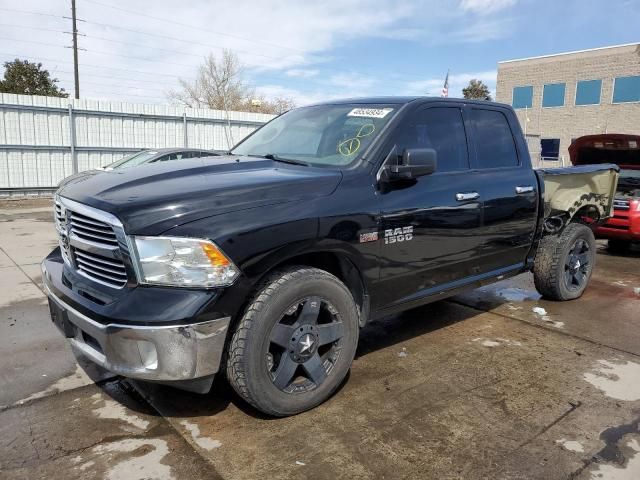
(416, 162)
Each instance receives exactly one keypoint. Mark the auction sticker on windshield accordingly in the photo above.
(369, 112)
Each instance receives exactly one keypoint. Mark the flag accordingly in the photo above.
(445, 88)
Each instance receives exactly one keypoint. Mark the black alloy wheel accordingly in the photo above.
(577, 265)
(305, 345)
(295, 342)
(564, 262)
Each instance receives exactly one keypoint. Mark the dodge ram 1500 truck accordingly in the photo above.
(265, 263)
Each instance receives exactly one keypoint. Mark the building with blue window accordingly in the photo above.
(564, 96)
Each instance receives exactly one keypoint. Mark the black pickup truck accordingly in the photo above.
(265, 263)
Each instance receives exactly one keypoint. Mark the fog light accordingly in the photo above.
(148, 354)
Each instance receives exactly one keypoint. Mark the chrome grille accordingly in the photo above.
(97, 267)
(91, 230)
(621, 204)
(58, 215)
(89, 243)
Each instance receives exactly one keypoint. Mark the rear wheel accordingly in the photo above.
(295, 343)
(564, 263)
(618, 246)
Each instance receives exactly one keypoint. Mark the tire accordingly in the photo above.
(618, 246)
(565, 262)
(279, 336)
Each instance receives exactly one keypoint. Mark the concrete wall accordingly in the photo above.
(44, 139)
(571, 121)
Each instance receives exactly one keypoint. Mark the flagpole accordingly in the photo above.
(445, 88)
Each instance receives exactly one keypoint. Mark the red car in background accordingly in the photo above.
(623, 150)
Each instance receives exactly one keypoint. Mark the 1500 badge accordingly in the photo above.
(394, 235)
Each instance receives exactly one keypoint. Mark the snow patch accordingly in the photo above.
(546, 319)
(627, 472)
(203, 442)
(149, 465)
(617, 380)
(570, 445)
(496, 342)
(84, 466)
(517, 294)
(544, 316)
(116, 411)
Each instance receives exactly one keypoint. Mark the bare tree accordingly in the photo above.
(219, 85)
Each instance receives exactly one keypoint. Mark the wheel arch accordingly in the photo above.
(338, 264)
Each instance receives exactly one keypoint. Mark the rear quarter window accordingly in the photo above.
(495, 145)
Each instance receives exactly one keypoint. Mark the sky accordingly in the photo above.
(309, 51)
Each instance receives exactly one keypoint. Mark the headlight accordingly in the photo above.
(184, 262)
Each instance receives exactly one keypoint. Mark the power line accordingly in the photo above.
(112, 77)
(173, 22)
(141, 59)
(190, 42)
(102, 67)
(122, 42)
(111, 68)
(32, 28)
(41, 29)
(120, 94)
(35, 42)
(119, 85)
(32, 13)
(99, 52)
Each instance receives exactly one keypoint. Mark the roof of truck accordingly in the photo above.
(401, 100)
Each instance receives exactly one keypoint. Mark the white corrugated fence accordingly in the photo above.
(44, 139)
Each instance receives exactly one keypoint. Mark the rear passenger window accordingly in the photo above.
(166, 158)
(493, 138)
(442, 129)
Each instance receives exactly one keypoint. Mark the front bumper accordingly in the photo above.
(624, 225)
(163, 353)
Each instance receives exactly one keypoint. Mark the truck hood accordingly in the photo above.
(153, 198)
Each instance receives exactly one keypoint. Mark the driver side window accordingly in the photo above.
(440, 128)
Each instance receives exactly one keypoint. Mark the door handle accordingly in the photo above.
(461, 197)
(525, 189)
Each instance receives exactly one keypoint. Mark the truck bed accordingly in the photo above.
(568, 189)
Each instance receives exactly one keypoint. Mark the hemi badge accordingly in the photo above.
(368, 237)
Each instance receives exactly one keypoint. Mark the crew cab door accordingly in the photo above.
(507, 186)
(429, 225)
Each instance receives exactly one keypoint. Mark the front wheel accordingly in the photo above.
(565, 262)
(295, 343)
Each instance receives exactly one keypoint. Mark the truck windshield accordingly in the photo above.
(324, 135)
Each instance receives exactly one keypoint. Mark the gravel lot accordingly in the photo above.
(495, 383)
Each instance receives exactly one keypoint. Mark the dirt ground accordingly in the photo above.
(496, 383)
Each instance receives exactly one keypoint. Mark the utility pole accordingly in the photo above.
(76, 75)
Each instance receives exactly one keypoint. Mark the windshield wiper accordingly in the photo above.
(271, 156)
